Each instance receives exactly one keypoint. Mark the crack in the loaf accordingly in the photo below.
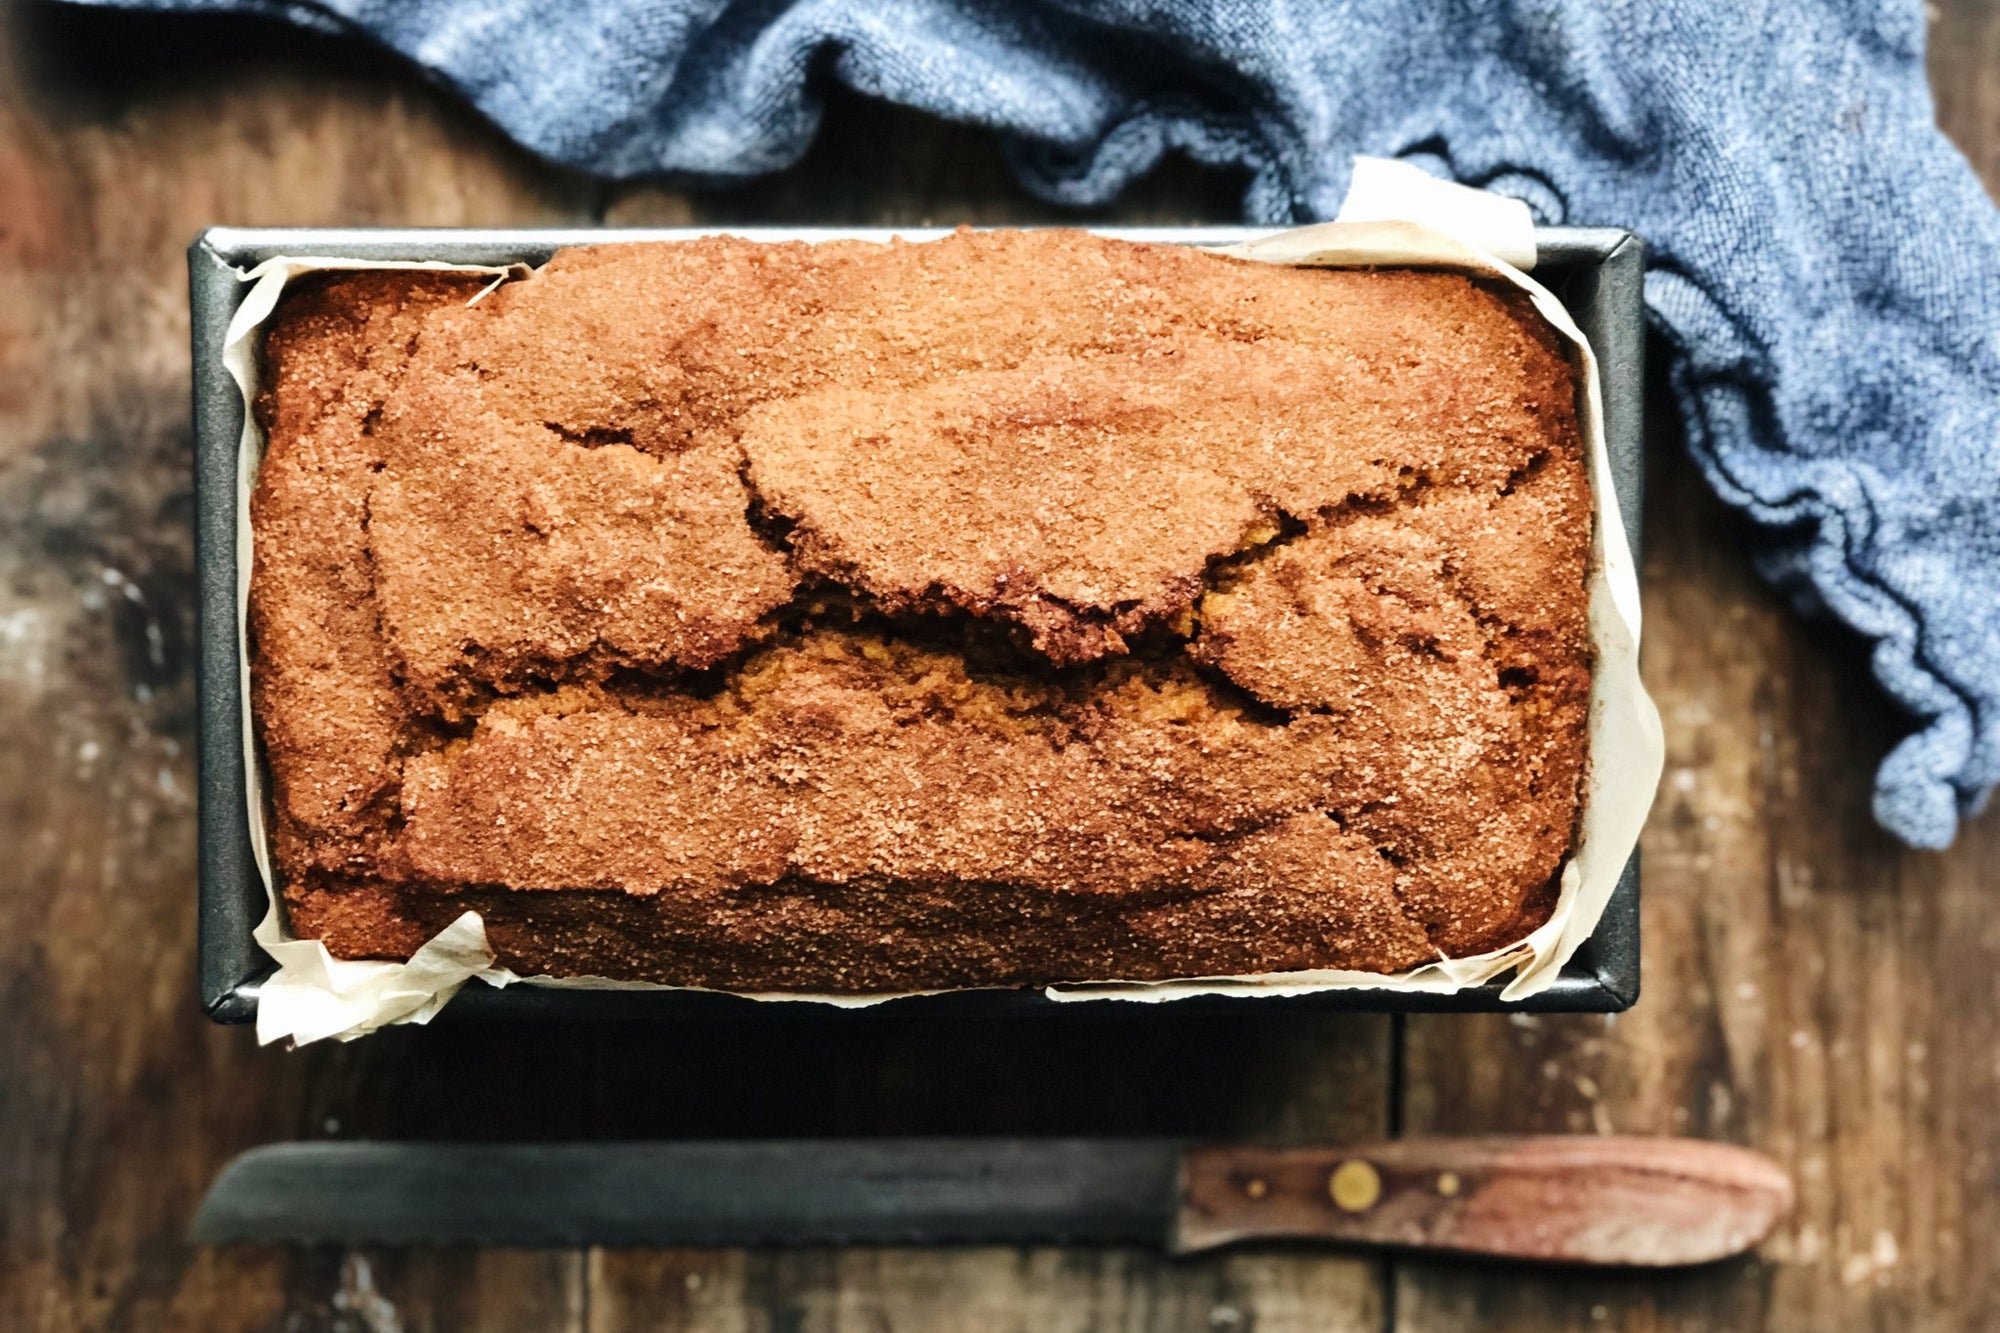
(420, 732)
(1225, 689)
(1533, 467)
(1223, 571)
(1412, 484)
(772, 530)
(590, 437)
(1398, 858)
(993, 649)
(990, 653)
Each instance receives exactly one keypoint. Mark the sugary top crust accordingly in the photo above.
(1023, 559)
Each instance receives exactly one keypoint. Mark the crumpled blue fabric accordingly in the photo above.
(1825, 267)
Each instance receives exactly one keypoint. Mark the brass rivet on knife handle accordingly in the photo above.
(1651, 1202)
(1354, 1186)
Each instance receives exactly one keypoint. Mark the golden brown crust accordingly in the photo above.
(1022, 607)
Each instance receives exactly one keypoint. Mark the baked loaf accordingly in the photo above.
(1020, 607)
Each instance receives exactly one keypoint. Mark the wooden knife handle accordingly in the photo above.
(1651, 1202)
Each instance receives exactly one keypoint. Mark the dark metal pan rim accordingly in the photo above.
(1596, 271)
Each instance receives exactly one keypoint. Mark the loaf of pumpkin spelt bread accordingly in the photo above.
(1019, 607)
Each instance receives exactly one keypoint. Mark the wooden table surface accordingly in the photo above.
(1810, 988)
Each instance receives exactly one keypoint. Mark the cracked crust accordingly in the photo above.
(1017, 608)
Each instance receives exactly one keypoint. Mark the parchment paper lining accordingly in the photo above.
(314, 995)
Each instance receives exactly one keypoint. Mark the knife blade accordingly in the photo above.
(779, 1191)
(1572, 1199)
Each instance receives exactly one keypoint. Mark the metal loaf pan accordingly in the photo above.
(1596, 272)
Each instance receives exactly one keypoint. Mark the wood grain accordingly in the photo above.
(1811, 990)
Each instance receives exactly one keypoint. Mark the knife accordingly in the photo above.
(1569, 1199)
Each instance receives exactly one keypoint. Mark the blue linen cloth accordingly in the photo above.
(1825, 267)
